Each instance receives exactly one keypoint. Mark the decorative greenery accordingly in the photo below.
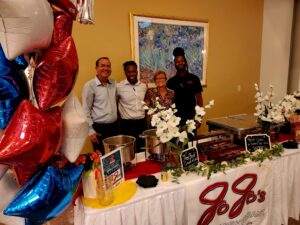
(210, 167)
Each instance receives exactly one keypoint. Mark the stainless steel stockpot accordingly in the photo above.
(127, 144)
(154, 146)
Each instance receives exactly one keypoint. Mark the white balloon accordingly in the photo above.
(25, 25)
(8, 189)
(75, 128)
(3, 169)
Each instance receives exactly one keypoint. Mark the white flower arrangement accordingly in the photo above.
(168, 124)
(168, 128)
(297, 96)
(270, 113)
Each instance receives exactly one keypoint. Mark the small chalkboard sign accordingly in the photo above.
(257, 141)
(189, 157)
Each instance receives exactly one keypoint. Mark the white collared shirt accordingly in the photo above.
(130, 98)
(99, 102)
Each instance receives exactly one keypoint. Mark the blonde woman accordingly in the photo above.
(164, 95)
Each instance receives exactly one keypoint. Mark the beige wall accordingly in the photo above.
(235, 29)
(294, 73)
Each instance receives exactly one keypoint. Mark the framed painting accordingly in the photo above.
(153, 40)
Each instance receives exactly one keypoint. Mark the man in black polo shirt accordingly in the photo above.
(187, 88)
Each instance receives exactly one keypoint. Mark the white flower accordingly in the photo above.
(199, 111)
(167, 114)
(191, 125)
(174, 131)
(162, 125)
(182, 136)
(174, 121)
(155, 120)
(165, 137)
(210, 104)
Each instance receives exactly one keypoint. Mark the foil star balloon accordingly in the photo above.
(30, 139)
(20, 79)
(14, 69)
(67, 6)
(21, 62)
(62, 28)
(5, 64)
(9, 100)
(55, 74)
(75, 128)
(26, 25)
(8, 189)
(46, 195)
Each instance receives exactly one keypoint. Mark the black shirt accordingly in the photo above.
(185, 89)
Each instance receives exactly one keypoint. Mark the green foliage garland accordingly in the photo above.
(210, 167)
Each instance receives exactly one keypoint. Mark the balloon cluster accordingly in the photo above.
(39, 135)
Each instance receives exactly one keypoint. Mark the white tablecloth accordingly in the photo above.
(161, 205)
(276, 197)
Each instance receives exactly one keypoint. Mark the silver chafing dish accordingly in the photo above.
(237, 125)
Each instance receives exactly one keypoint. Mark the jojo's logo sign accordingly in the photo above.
(219, 205)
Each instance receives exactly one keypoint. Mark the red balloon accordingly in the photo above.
(30, 139)
(55, 75)
(67, 6)
(62, 27)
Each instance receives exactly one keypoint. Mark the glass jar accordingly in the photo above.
(105, 193)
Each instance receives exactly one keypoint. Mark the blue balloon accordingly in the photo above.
(5, 64)
(9, 100)
(20, 79)
(46, 195)
(20, 62)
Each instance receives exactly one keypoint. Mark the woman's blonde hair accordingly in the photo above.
(159, 72)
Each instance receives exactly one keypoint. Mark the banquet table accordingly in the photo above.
(265, 194)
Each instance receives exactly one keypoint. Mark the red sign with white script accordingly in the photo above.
(243, 188)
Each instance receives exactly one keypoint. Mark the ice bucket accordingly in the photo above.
(127, 144)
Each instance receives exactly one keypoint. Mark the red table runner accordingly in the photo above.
(143, 168)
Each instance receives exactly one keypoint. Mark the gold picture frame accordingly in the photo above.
(153, 39)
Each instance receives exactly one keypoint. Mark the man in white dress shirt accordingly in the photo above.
(100, 105)
(131, 93)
